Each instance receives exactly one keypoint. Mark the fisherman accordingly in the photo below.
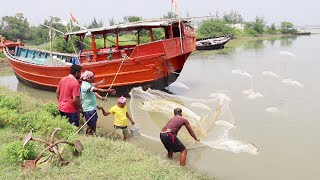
(89, 95)
(68, 95)
(121, 117)
(169, 138)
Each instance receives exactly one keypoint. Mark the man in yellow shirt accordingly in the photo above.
(121, 117)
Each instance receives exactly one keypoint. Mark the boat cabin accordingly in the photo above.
(120, 41)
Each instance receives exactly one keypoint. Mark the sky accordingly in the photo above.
(299, 12)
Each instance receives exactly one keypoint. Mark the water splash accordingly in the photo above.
(213, 128)
(241, 73)
(234, 146)
(179, 85)
(270, 74)
(251, 94)
(256, 95)
(287, 53)
(292, 82)
(272, 109)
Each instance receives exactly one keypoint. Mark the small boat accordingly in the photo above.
(212, 43)
(303, 33)
(155, 64)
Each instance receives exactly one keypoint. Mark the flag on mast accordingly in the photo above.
(73, 19)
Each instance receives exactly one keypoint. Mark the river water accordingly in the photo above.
(283, 122)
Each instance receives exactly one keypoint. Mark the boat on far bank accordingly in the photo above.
(144, 61)
(211, 43)
(303, 33)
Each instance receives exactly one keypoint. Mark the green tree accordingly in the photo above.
(272, 29)
(132, 18)
(55, 23)
(287, 28)
(95, 24)
(214, 27)
(255, 28)
(233, 17)
(111, 22)
(170, 15)
(15, 27)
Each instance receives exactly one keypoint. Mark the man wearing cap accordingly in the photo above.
(89, 93)
(121, 117)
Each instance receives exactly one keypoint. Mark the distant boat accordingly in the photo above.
(212, 43)
(303, 33)
(155, 64)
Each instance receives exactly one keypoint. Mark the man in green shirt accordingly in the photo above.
(89, 93)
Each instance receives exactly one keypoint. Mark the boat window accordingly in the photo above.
(158, 34)
(144, 36)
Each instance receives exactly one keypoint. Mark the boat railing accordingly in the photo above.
(8, 54)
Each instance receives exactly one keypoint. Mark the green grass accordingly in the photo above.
(7, 71)
(102, 158)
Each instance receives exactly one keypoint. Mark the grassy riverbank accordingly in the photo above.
(102, 158)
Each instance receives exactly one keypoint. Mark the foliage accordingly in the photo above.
(213, 28)
(170, 15)
(60, 45)
(2, 55)
(43, 123)
(233, 17)
(95, 24)
(287, 28)
(255, 28)
(15, 152)
(10, 102)
(7, 116)
(40, 119)
(132, 18)
(111, 22)
(52, 109)
(15, 27)
(272, 29)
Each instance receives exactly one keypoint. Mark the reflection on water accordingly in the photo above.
(283, 124)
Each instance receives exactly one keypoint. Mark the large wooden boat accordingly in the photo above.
(155, 64)
(212, 43)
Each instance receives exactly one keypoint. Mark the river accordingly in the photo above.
(283, 122)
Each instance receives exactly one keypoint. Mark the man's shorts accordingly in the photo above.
(73, 118)
(171, 142)
(91, 118)
(122, 132)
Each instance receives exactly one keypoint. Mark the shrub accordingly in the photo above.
(2, 55)
(15, 152)
(43, 123)
(11, 101)
(7, 116)
(52, 109)
(214, 28)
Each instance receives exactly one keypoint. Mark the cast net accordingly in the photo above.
(211, 119)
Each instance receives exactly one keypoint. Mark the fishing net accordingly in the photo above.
(211, 119)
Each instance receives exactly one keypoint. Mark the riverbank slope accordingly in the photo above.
(102, 158)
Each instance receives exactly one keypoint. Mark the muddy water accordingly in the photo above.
(287, 134)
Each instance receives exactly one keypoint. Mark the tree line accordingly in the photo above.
(18, 27)
(233, 24)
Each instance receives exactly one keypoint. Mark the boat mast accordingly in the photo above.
(94, 48)
(117, 40)
(50, 37)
